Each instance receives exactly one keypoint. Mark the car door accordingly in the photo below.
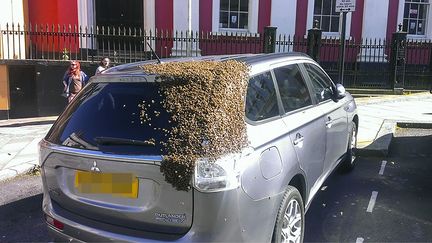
(267, 135)
(303, 120)
(336, 122)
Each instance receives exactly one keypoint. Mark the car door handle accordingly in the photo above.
(329, 122)
(299, 138)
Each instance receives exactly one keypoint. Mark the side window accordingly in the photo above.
(261, 102)
(322, 85)
(292, 87)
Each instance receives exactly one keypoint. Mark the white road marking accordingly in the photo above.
(359, 240)
(384, 162)
(372, 202)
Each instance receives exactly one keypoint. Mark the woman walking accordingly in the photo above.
(74, 80)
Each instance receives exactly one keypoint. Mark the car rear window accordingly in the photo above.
(115, 117)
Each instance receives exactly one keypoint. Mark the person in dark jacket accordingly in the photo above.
(74, 80)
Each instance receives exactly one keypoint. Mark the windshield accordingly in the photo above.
(118, 117)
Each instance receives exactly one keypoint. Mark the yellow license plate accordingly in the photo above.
(116, 184)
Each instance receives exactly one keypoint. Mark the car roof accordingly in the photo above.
(250, 59)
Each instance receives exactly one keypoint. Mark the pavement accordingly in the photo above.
(379, 117)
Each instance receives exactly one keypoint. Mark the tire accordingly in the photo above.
(349, 161)
(289, 226)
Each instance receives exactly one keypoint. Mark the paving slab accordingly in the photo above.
(19, 140)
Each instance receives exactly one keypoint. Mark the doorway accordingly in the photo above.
(115, 13)
(117, 17)
(23, 91)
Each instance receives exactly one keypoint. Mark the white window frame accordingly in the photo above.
(309, 23)
(428, 28)
(252, 19)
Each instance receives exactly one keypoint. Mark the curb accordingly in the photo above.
(381, 143)
(407, 124)
(390, 98)
(15, 171)
(28, 121)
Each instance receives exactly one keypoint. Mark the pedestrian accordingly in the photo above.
(74, 80)
(103, 65)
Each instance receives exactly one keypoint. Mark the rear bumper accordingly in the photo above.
(227, 216)
(58, 236)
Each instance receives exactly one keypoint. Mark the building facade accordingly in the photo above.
(371, 18)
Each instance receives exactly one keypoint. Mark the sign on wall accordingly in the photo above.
(345, 5)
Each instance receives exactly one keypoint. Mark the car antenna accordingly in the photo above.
(154, 53)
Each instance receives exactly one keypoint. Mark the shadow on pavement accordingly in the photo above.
(409, 146)
(22, 221)
(379, 147)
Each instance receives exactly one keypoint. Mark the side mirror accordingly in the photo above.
(340, 91)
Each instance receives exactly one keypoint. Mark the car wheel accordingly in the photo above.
(350, 156)
(289, 225)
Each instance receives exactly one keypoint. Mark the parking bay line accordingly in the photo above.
(359, 240)
(373, 199)
(383, 164)
(372, 202)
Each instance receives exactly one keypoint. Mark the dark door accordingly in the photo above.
(124, 13)
(22, 87)
(116, 17)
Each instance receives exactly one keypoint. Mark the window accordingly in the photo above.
(234, 14)
(325, 14)
(321, 84)
(116, 118)
(292, 88)
(415, 15)
(261, 102)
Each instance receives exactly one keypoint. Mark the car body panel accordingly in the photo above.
(156, 198)
(271, 144)
(234, 222)
(307, 126)
(336, 123)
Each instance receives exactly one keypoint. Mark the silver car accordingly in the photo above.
(300, 127)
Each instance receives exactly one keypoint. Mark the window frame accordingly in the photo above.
(237, 12)
(330, 15)
(278, 100)
(310, 24)
(302, 73)
(252, 18)
(309, 82)
(426, 19)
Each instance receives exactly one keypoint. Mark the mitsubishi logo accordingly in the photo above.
(94, 168)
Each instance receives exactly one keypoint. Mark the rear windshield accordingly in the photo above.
(119, 117)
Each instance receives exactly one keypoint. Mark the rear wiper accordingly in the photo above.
(123, 141)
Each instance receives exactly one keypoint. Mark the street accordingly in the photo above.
(21, 216)
(342, 211)
(382, 199)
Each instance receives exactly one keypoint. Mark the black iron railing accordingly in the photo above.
(366, 61)
(55, 42)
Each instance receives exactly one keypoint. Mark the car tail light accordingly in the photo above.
(54, 222)
(215, 177)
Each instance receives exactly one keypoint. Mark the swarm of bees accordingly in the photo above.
(206, 102)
